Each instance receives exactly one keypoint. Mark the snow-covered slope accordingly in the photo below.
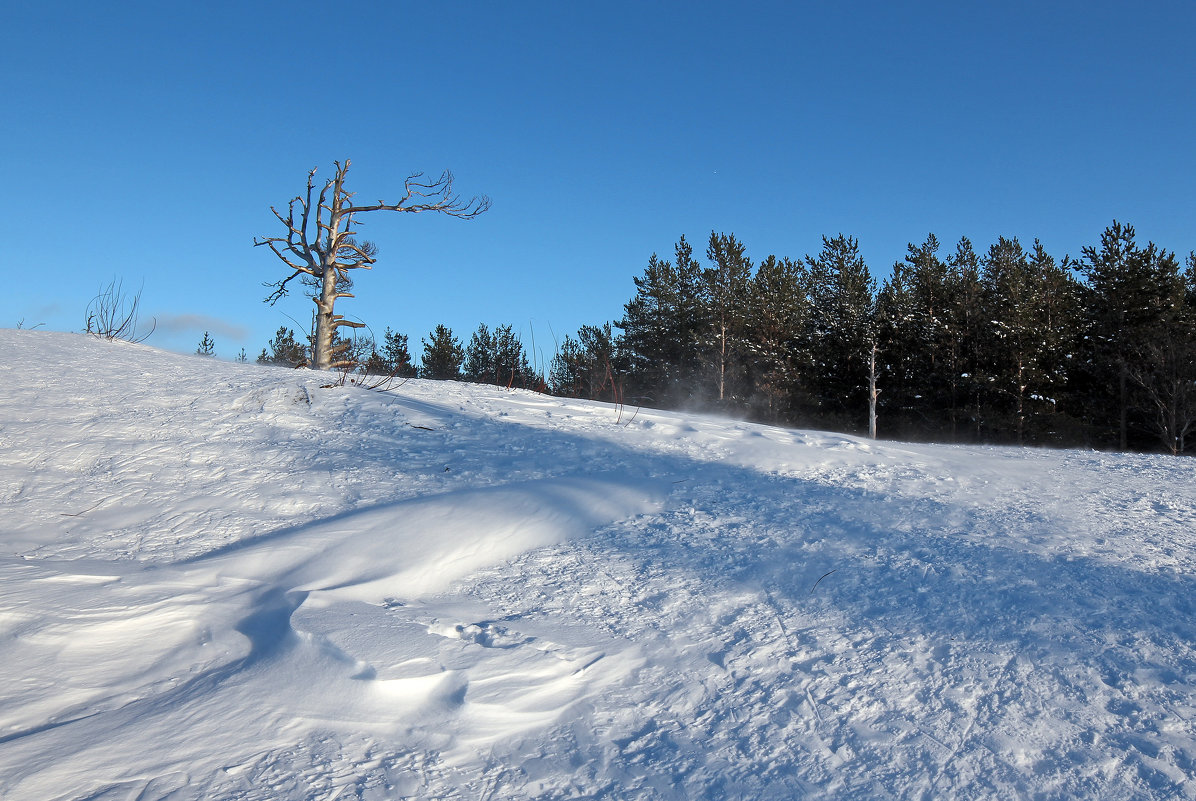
(225, 581)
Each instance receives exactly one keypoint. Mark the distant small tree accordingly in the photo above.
(479, 356)
(588, 366)
(498, 358)
(511, 365)
(442, 356)
(207, 345)
(284, 350)
(375, 365)
(395, 355)
(319, 242)
(242, 358)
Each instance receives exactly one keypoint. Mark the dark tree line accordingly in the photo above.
(491, 357)
(1008, 345)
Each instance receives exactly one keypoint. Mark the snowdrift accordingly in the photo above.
(227, 581)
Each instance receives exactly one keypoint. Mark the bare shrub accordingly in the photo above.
(112, 314)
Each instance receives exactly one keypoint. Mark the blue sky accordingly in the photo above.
(147, 141)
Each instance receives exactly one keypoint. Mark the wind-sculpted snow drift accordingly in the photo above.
(221, 581)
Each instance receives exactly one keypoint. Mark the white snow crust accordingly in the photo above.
(228, 581)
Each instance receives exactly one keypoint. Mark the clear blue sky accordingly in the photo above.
(148, 140)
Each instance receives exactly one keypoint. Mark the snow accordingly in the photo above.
(228, 581)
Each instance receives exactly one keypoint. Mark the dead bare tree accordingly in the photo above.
(320, 243)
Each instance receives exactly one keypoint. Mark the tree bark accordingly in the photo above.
(872, 393)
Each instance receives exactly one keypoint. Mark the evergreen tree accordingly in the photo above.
(778, 313)
(725, 293)
(1164, 364)
(1013, 339)
(1058, 296)
(375, 364)
(1129, 292)
(511, 365)
(662, 329)
(588, 367)
(395, 355)
(442, 355)
(498, 358)
(284, 350)
(916, 345)
(357, 350)
(1190, 280)
(692, 316)
(207, 346)
(647, 320)
(480, 366)
(242, 357)
(843, 298)
(1030, 303)
(564, 373)
(964, 334)
(895, 345)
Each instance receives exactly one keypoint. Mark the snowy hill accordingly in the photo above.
(227, 581)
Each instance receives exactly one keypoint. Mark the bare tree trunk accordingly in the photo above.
(1021, 403)
(722, 362)
(321, 346)
(872, 393)
(1123, 422)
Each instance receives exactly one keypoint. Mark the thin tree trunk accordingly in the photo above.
(1021, 403)
(1123, 422)
(872, 393)
(722, 363)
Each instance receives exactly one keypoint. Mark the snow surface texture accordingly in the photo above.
(226, 581)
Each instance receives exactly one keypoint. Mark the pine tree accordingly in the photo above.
(284, 350)
(442, 355)
(662, 329)
(896, 345)
(479, 366)
(965, 326)
(396, 357)
(653, 334)
(242, 357)
(725, 293)
(843, 297)
(1164, 363)
(648, 320)
(375, 364)
(915, 341)
(319, 243)
(511, 365)
(778, 313)
(1012, 342)
(564, 373)
(1030, 305)
(588, 366)
(207, 346)
(1129, 291)
(602, 367)
(692, 317)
